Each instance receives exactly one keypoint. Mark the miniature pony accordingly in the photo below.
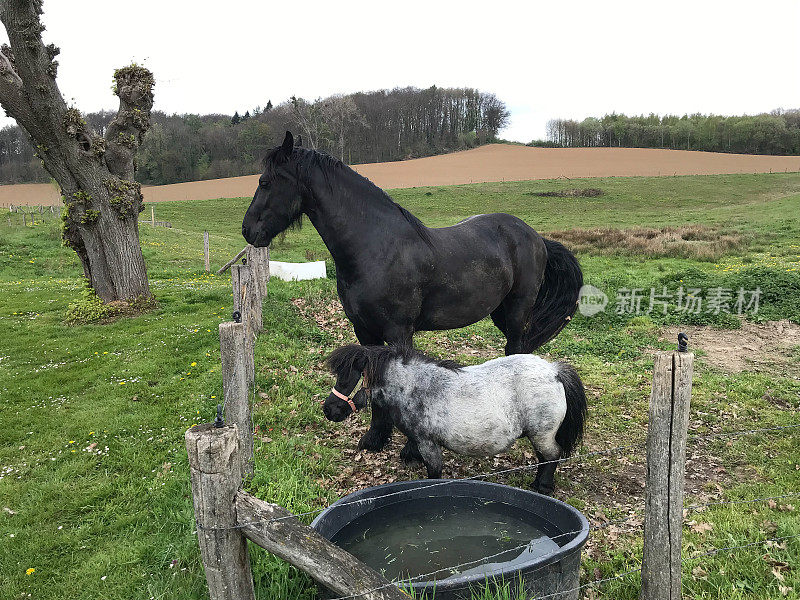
(477, 410)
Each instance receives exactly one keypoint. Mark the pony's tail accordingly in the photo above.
(570, 432)
(558, 296)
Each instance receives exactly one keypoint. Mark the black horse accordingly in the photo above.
(395, 276)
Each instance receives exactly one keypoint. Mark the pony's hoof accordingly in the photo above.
(373, 442)
(546, 490)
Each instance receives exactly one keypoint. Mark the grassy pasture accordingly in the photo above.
(94, 492)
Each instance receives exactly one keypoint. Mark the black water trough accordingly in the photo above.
(419, 512)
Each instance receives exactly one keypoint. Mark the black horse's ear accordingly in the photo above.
(288, 143)
(298, 142)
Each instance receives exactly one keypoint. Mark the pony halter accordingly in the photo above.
(347, 399)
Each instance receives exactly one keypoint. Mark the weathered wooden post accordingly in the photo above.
(152, 216)
(206, 251)
(24, 224)
(258, 259)
(666, 461)
(215, 469)
(245, 297)
(237, 373)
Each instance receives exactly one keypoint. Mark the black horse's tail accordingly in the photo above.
(558, 296)
(571, 430)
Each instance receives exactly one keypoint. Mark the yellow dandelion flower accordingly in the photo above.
(194, 364)
(72, 441)
(122, 383)
(30, 571)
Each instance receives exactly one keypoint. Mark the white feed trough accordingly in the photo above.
(297, 271)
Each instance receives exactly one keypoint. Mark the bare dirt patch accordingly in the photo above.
(761, 347)
(685, 241)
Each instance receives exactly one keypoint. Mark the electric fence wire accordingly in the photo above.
(575, 457)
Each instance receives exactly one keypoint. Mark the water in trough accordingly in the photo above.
(410, 538)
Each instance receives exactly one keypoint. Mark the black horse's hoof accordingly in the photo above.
(373, 441)
(410, 454)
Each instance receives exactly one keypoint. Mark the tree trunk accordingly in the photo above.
(102, 201)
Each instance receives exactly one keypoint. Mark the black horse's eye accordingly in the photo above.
(263, 184)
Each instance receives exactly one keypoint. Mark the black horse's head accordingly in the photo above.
(277, 203)
(348, 364)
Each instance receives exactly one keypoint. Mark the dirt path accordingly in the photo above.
(762, 347)
(494, 162)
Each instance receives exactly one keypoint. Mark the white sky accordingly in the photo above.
(558, 58)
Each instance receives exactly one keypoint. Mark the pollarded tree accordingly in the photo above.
(102, 201)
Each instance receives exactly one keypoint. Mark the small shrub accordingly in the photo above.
(89, 309)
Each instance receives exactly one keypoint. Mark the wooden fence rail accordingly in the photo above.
(227, 516)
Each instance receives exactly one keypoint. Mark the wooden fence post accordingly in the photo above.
(245, 297)
(237, 371)
(153, 216)
(206, 251)
(258, 260)
(666, 462)
(24, 224)
(216, 474)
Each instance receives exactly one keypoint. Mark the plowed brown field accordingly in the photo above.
(494, 162)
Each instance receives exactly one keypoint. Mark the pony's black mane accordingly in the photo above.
(374, 360)
(331, 169)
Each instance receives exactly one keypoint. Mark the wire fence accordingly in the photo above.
(452, 573)
(431, 576)
(573, 458)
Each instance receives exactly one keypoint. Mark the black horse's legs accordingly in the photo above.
(380, 428)
(515, 317)
(410, 453)
(499, 319)
(517, 309)
(432, 457)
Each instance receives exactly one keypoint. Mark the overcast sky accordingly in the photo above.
(545, 60)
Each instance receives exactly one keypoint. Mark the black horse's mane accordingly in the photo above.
(374, 360)
(332, 168)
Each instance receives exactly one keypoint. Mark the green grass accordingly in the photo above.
(118, 522)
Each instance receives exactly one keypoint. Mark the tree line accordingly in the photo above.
(383, 125)
(777, 132)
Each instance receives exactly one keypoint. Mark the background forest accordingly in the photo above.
(378, 126)
(775, 133)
